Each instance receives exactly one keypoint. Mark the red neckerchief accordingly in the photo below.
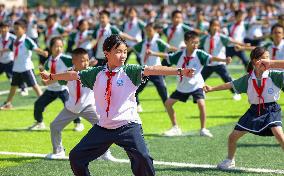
(211, 45)
(274, 50)
(234, 28)
(78, 91)
(186, 60)
(259, 91)
(148, 45)
(108, 89)
(99, 38)
(4, 43)
(80, 39)
(49, 32)
(16, 44)
(130, 24)
(173, 30)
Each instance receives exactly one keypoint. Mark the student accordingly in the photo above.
(81, 103)
(53, 29)
(7, 58)
(82, 38)
(215, 43)
(134, 27)
(263, 118)
(176, 30)
(23, 65)
(190, 57)
(56, 63)
(274, 47)
(155, 44)
(101, 32)
(237, 31)
(119, 121)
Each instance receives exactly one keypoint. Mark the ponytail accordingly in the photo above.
(249, 67)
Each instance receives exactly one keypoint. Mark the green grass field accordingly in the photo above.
(222, 114)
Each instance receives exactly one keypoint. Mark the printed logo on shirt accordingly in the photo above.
(119, 82)
(270, 91)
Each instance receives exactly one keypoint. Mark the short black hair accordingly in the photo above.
(81, 22)
(3, 24)
(53, 40)
(52, 16)
(22, 23)
(152, 25)
(113, 41)
(277, 25)
(239, 12)
(104, 12)
(176, 12)
(190, 35)
(79, 51)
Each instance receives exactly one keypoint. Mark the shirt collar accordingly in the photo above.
(22, 37)
(280, 44)
(56, 58)
(117, 69)
(264, 74)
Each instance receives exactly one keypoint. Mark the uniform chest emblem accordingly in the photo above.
(119, 82)
(270, 91)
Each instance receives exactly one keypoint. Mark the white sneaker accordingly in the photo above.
(107, 156)
(79, 127)
(24, 92)
(237, 97)
(227, 164)
(174, 131)
(205, 132)
(139, 108)
(37, 126)
(60, 155)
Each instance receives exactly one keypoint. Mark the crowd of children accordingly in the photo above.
(198, 39)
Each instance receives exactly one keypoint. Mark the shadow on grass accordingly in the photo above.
(258, 145)
(197, 170)
(216, 117)
(26, 130)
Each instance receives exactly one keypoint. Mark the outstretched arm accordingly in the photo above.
(265, 64)
(228, 60)
(67, 76)
(163, 70)
(225, 86)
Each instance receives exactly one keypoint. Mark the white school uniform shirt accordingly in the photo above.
(239, 33)
(86, 98)
(156, 45)
(279, 52)
(177, 39)
(221, 41)
(9, 55)
(32, 29)
(56, 30)
(123, 106)
(87, 44)
(200, 59)
(63, 63)
(253, 30)
(271, 91)
(108, 31)
(23, 62)
(135, 30)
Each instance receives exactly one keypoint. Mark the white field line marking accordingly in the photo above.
(176, 164)
(3, 92)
